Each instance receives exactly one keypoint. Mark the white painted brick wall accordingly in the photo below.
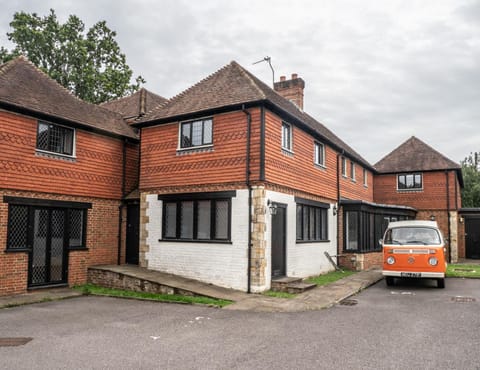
(303, 259)
(220, 264)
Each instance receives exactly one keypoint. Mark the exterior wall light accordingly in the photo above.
(432, 217)
(272, 207)
(335, 210)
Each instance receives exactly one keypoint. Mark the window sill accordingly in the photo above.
(64, 157)
(17, 250)
(320, 166)
(195, 241)
(195, 149)
(418, 190)
(312, 241)
(78, 249)
(287, 152)
(354, 181)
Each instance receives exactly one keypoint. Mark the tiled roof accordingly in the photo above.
(24, 86)
(135, 105)
(415, 155)
(234, 85)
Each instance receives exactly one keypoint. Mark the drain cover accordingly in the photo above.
(349, 302)
(14, 342)
(463, 299)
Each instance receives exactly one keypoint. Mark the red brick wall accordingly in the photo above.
(96, 171)
(162, 166)
(102, 242)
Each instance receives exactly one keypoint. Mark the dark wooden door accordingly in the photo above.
(472, 237)
(279, 239)
(48, 258)
(133, 233)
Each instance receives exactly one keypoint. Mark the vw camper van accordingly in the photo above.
(414, 249)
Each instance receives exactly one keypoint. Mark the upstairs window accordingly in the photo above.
(409, 181)
(344, 167)
(286, 136)
(196, 133)
(319, 153)
(365, 177)
(352, 171)
(55, 138)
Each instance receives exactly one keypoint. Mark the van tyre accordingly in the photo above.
(389, 280)
(440, 283)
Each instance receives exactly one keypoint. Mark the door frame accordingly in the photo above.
(128, 236)
(468, 220)
(277, 206)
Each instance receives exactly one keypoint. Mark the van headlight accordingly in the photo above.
(433, 261)
(390, 260)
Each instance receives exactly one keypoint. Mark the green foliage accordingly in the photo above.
(271, 293)
(88, 289)
(89, 64)
(471, 179)
(463, 271)
(330, 277)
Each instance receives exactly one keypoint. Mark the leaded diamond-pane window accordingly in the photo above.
(196, 133)
(55, 138)
(76, 228)
(17, 227)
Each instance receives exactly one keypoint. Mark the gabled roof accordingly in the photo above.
(25, 88)
(135, 105)
(414, 155)
(232, 86)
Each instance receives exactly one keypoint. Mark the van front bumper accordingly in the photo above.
(413, 274)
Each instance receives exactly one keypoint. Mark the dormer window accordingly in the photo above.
(196, 133)
(55, 138)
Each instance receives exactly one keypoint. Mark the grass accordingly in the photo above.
(176, 298)
(329, 277)
(271, 293)
(463, 271)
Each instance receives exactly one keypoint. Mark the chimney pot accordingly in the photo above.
(294, 76)
(282, 78)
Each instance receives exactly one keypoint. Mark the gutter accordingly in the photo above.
(247, 180)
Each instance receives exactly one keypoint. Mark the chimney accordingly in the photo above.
(291, 89)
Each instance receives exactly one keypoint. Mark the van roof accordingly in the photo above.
(413, 223)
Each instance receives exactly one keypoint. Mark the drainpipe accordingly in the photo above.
(448, 218)
(247, 180)
(338, 203)
(120, 207)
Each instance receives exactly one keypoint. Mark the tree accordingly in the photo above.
(471, 179)
(89, 64)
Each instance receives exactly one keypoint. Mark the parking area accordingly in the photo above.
(411, 325)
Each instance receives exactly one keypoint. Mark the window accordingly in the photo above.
(352, 171)
(312, 223)
(365, 177)
(195, 218)
(409, 181)
(55, 138)
(196, 133)
(286, 136)
(344, 167)
(319, 153)
(19, 230)
(352, 231)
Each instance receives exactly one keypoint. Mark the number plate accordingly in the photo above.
(411, 274)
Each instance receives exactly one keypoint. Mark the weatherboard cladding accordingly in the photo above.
(23, 87)
(232, 86)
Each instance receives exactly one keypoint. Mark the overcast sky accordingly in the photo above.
(376, 72)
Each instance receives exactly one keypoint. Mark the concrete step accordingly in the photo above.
(290, 285)
(296, 288)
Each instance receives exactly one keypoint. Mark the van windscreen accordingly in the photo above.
(412, 235)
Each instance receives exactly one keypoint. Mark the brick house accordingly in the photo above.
(65, 166)
(238, 185)
(416, 175)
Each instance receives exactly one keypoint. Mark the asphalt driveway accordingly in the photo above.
(412, 325)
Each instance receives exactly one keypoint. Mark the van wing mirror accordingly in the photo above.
(380, 242)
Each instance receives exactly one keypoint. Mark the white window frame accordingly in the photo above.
(344, 167)
(74, 140)
(365, 177)
(319, 153)
(287, 143)
(352, 170)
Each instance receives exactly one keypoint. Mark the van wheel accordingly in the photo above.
(389, 280)
(440, 283)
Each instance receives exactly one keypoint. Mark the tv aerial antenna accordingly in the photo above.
(269, 61)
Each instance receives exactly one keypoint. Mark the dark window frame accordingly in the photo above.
(48, 148)
(304, 232)
(189, 145)
(214, 198)
(402, 186)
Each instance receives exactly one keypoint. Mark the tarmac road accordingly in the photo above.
(409, 326)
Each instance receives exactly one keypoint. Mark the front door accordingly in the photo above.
(472, 237)
(133, 227)
(48, 258)
(279, 237)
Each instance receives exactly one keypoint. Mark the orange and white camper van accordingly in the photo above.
(414, 249)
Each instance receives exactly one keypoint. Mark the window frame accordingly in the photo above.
(214, 198)
(407, 174)
(365, 177)
(344, 167)
(319, 151)
(64, 129)
(352, 171)
(319, 210)
(203, 144)
(287, 127)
